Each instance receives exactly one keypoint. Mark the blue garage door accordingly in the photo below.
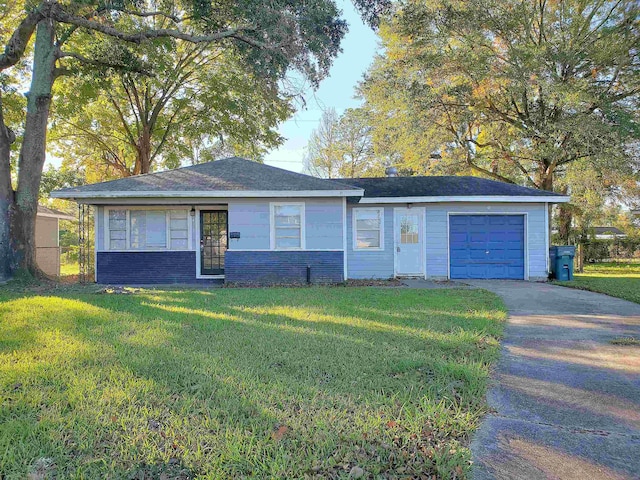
(486, 246)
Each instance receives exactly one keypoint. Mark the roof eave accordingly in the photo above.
(208, 194)
(471, 199)
(59, 216)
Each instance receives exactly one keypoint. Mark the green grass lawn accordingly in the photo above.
(69, 269)
(616, 279)
(234, 383)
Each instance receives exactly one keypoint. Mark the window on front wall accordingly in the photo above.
(148, 229)
(179, 229)
(117, 229)
(368, 228)
(138, 229)
(287, 226)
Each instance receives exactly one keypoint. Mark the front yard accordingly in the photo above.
(616, 279)
(229, 383)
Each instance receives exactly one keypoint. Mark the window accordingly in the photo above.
(287, 226)
(179, 229)
(117, 229)
(138, 229)
(409, 229)
(368, 227)
(148, 229)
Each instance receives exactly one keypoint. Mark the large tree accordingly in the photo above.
(200, 96)
(509, 89)
(341, 146)
(50, 38)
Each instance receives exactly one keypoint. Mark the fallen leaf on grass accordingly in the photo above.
(278, 434)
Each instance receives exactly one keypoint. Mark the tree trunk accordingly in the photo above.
(32, 154)
(545, 180)
(144, 152)
(6, 197)
(565, 219)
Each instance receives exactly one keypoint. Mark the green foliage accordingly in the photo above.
(342, 146)
(231, 383)
(200, 102)
(597, 250)
(620, 280)
(55, 179)
(511, 90)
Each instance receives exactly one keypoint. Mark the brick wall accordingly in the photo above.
(146, 267)
(283, 267)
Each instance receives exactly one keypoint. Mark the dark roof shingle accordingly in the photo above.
(441, 186)
(50, 212)
(227, 175)
(233, 176)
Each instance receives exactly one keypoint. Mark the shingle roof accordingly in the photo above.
(237, 177)
(442, 186)
(228, 175)
(607, 231)
(50, 212)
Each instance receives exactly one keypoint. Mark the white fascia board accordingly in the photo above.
(211, 194)
(470, 199)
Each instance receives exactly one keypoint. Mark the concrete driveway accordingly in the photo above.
(565, 400)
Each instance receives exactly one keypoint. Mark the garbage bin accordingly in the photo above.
(562, 262)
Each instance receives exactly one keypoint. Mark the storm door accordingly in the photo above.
(213, 241)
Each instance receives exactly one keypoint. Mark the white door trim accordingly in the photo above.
(422, 236)
(196, 219)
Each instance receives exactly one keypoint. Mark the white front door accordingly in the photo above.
(409, 241)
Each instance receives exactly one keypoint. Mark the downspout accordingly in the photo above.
(344, 239)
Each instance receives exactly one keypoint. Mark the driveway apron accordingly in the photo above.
(565, 397)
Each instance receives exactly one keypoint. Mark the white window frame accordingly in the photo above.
(354, 229)
(167, 210)
(272, 223)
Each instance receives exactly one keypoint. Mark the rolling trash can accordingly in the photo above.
(562, 262)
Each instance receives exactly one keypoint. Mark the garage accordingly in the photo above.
(487, 246)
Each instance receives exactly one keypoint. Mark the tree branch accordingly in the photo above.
(101, 63)
(173, 18)
(59, 14)
(19, 40)
(125, 125)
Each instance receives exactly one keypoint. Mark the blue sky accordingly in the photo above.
(337, 91)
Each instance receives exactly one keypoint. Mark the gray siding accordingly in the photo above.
(374, 263)
(251, 217)
(324, 224)
(379, 264)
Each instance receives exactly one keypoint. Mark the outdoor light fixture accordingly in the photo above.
(193, 211)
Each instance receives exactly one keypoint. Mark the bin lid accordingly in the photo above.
(568, 250)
